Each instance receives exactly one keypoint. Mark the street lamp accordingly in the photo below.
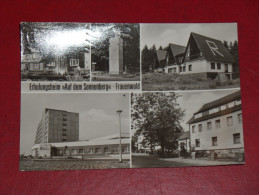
(119, 113)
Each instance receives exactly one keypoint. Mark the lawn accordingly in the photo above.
(167, 81)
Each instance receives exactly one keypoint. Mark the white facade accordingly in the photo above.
(116, 55)
(172, 69)
(204, 66)
(218, 133)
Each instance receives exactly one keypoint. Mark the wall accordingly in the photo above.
(224, 133)
(198, 66)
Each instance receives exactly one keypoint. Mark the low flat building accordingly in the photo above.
(107, 145)
(217, 127)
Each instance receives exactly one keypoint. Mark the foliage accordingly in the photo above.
(157, 117)
(100, 44)
(233, 50)
(148, 58)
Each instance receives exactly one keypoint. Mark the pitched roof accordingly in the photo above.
(185, 135)
(217, 114)
(161, 55)
(177, 49)
(212, 49)
(221, 101)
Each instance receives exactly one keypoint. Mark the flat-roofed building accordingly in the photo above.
(57, 126)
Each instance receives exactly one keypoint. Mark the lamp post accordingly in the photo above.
(120, 155)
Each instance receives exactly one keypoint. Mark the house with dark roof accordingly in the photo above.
(169, 60)
(217, 127)
(206, 56)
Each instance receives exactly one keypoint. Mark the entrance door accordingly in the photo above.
(226, 68)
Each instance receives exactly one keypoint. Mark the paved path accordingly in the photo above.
(67, 164)
(152, 161)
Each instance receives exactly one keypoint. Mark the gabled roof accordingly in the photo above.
(185, 135)
(212, 49)
(177, 49)
(221, 101)
(217, 114)
(161, 55)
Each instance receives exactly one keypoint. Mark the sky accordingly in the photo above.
(97, 114)
(191, 102)
(163, 34)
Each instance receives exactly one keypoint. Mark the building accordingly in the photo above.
(169, 60)
(116, 55)
(57, 126)
(184, 141)
(206, 56)
(217, 127)
(103, 146)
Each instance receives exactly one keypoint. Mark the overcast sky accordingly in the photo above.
(97, 114)
(163, 34)
(191, 102)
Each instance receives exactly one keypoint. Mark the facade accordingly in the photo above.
(217, 127)
(207, 56)
(116, 55)
(57, 126)
(102, 146)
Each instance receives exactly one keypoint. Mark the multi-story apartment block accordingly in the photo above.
(57, 126)
(217, 127)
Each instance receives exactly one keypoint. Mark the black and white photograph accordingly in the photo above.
(191, 56)
(74, 131)
(179, 129)
(115, 52)
(55, 51)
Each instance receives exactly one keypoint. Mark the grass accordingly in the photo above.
(167, 81)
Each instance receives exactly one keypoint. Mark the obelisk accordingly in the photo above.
(116, 55)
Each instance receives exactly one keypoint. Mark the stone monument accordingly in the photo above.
(116, 55)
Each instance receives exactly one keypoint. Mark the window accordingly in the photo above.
(66, 151)
(106, 150)
(218, 66)
(200, 127)
(217, 123)
(212, 66)
(73, 151)
(223, 107)
(64, 140)
(238, 102)
(209, 125)
(231, 104)
(193, 129)
(184, 68)
(230, 121)
(197, 142)
(239, 116)
(214, 141)
(236, 138)
(74, 62)
(98, 150)
(190, 67)
(81, 151)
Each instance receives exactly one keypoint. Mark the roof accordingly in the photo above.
(221, 101)
(114, 136)
(177, 49)
(212, 49)
(217, 114)
(161, 55)
(185, 135)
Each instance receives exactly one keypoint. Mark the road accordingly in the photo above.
(141, 161)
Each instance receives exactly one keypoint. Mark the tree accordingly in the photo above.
(225, 43)
(157, 117)
(160, 48)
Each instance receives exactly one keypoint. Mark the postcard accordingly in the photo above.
(129, 95)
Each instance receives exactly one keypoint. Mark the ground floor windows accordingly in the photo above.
(236, 138)
(197, 142)
(214, 141)
(106, 150)
(190, 68)
(81, 151)
(218, 66)
(193, 129)
(73, 151)
(98, 150)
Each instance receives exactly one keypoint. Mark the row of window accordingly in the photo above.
(217, 123)
(183, 68)
(214, 140)
(92, 150)
(218, 109)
